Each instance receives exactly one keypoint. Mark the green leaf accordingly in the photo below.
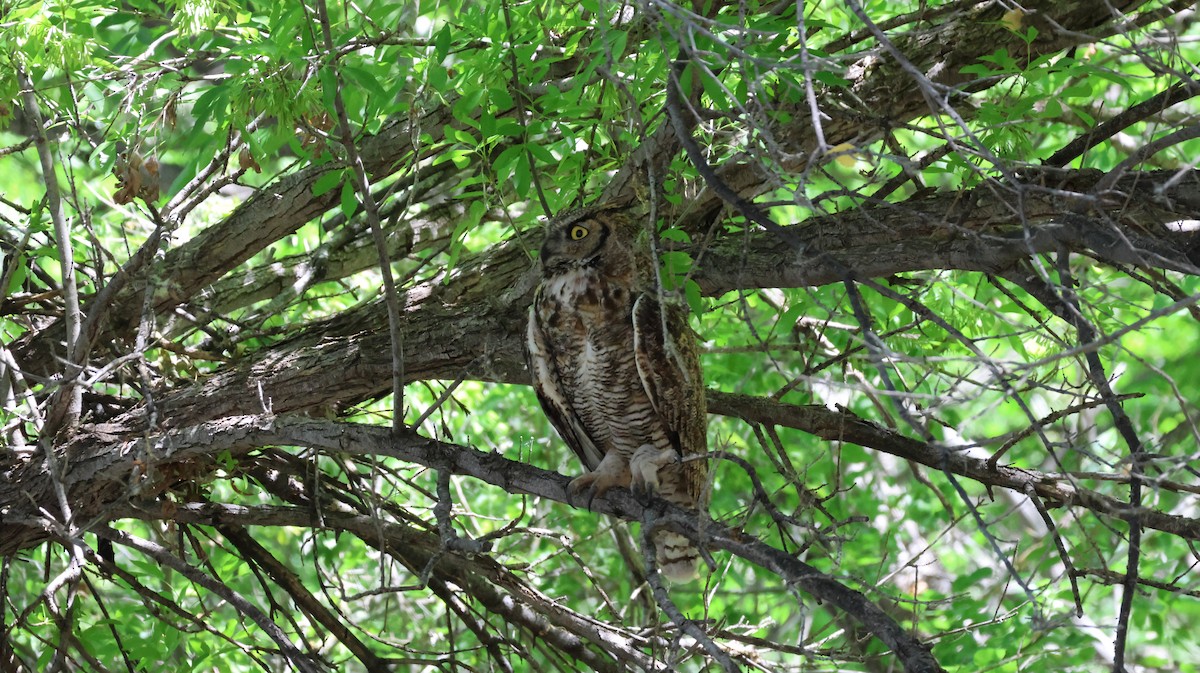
(328, 87)
(210, 104)
(464, 108)
(542, 154)
(789, 318)
(1080, 90)
(1084, 114)
(460, 136)
(522, 174)
(349, 200)
(505, 162)
(616, 41)
(963, 582)
(328, 181)
(364, 78)
(986, 656)
(694, 297)
(20, 272)
(673, 234)
(441, 43)
(508, 127)
(501, 99)
(437, 77)
(832, 78)
(715, 91)
(472, 219)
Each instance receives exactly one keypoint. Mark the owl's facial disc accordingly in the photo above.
(573, 244)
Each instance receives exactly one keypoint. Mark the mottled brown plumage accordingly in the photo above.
(629, 402)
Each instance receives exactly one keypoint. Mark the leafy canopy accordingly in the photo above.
(980, 250)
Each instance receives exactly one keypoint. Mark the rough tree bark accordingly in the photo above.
(470, 325)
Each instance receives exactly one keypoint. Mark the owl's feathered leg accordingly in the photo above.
(644, 466)
(675, 554)
(612, 471)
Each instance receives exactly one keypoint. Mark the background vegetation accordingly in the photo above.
(941, 255)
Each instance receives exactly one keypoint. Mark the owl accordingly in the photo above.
(616, 371)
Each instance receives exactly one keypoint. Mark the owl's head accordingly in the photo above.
(582, 238)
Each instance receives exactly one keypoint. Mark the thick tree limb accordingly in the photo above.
(201, 443)
(496, 588)
(472, 328)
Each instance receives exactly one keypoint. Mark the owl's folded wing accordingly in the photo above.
(670, 371)
(546, 383)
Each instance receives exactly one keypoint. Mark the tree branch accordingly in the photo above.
(1056, 490)
(240, 434)
(163, 556)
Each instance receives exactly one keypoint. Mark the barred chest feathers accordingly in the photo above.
(589, 323)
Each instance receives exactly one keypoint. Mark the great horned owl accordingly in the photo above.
(617, 372)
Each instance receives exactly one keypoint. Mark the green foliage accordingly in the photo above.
(489, 108)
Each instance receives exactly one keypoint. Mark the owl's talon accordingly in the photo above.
(579, 483)
(609, 473)
(643, 494)
(644, 466)
(574, 491)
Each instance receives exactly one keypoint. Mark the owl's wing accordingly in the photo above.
(547, 383)
(669, 366)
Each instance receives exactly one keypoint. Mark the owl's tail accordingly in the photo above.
(676, 555)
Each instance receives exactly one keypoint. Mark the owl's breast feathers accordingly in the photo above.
(607, 378)
(580, 349)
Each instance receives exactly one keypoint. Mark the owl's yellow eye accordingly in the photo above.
(578, 232)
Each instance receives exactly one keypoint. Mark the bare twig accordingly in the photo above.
(682, 127)
(164, 557)
(363, 187)
(879, 356)
(1058, 544)
(69, 401)
(1145, 152)
(1176, 93)
(1106, 576)
(663, 599)
(284, 577)
(519, 100)
(1067, 307)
